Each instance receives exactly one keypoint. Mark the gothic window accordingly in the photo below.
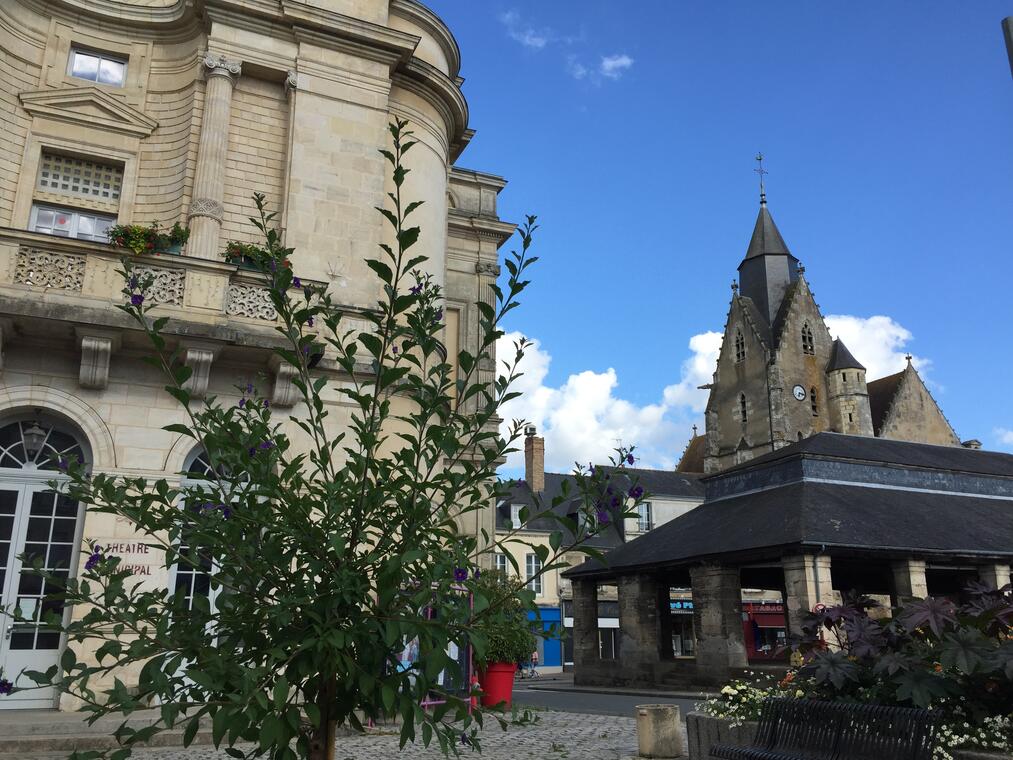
(740, 346)
(742, 406)
(812, 399)
(808, 345)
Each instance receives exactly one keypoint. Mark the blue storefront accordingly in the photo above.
(550, 649)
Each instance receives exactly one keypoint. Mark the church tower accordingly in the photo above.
(781, 377)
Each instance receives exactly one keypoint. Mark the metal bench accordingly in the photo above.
(805, 729)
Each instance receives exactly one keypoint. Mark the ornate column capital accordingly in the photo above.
(217, 65)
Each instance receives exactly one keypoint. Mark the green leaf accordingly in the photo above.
(190, 731)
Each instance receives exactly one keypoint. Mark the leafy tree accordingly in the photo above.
(328, 551)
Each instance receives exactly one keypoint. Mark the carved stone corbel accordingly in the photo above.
(97, 348)
(284, 393)
(199, 357)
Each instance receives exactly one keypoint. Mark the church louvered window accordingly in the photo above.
(812, 398)
(740, 346)
(808, 345)
(742, 406)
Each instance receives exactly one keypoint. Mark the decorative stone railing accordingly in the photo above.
(61, 267)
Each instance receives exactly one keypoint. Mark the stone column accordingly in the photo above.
(205, 214)
(717, 618)
(807, 582)
(996, 576)
(908, 581)
(585, 626)
(638, 624)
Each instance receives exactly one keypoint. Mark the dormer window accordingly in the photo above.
(740, 347)
(97, 67)
(808, 344)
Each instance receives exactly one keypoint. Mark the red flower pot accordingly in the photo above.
(497, 682)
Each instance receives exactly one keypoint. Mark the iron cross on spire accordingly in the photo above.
(761, 171)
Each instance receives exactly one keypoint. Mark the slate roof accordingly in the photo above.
(842, 358)
(887, 451)
(806, 514)
(692, 457)
(766, 237)
(881, 395)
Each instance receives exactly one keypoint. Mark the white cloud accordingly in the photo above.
(613, 66)
(877, 342)
(584, 417)
(524, 33)
(575, 68)
(1004, 436)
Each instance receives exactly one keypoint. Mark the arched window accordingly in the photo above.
(808, 344)
(742, 406)
(36, 524)
(812, 400)
(740, 346)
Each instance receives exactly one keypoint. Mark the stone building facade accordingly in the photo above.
(165, 111)
(782, 377)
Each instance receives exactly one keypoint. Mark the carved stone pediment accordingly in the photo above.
(88, 106)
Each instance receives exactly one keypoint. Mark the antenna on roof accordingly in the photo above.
(761, 171)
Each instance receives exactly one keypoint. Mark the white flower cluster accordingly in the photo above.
(995, 733)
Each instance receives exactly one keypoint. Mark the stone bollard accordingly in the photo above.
(659, 731)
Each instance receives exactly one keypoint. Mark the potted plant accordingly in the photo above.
(245, 255)
(141, 238)
(508, 637)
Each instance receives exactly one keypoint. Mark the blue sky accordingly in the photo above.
(630, 129)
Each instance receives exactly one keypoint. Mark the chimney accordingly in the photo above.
(534, 459)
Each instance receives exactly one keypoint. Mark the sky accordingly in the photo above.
(630, 129)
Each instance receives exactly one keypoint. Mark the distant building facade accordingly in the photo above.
(782, 377)
(165, 111)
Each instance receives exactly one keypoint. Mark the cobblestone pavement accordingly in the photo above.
(556, 735)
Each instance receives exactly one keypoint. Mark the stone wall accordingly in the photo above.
(915, 416)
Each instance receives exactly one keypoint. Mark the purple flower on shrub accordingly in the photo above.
(267, 404)
(249, 387)
(439, 315)
(6, 687)
(478, 574)
(415, 289)
(252, 450)
(134, 282)
(636, 492)
(309, 321)
(242, 403)
(136, 299)
(62, 464)
(266, 445)
(602, 515)
(615, 501)
(630, 460)
(460, 574)
(297, 282)
(93, 559)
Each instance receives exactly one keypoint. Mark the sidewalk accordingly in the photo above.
(564, 682)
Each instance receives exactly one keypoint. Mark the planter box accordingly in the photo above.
(704, 731)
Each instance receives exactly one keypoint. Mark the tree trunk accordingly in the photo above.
(322, 741)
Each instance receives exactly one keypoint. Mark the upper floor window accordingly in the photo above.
(532, 568)
(645, 518)
(79, 178)
(515, 516)
(97, 67)
(64, 222)
(808, 344)
(742, 406)
(812, 400)
(740, 346)
(502, 563)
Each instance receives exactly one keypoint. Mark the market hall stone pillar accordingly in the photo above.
(205, 214)
(717, 618)
(909, 581)
(996, 576)
(807, 582)
(639, 627)
(585, 627)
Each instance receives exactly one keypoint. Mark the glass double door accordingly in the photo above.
(39, 523)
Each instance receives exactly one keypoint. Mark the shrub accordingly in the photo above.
(141, 238)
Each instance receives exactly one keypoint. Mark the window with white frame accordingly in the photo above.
(532, 567)
(84, 225)
(79, 178)
(97, 67)
(502, 563)
(515, 516)
(645, 517)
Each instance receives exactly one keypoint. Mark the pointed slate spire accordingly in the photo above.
(766, 237)
(842, 358)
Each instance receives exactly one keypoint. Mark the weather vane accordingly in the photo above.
(761, 171)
